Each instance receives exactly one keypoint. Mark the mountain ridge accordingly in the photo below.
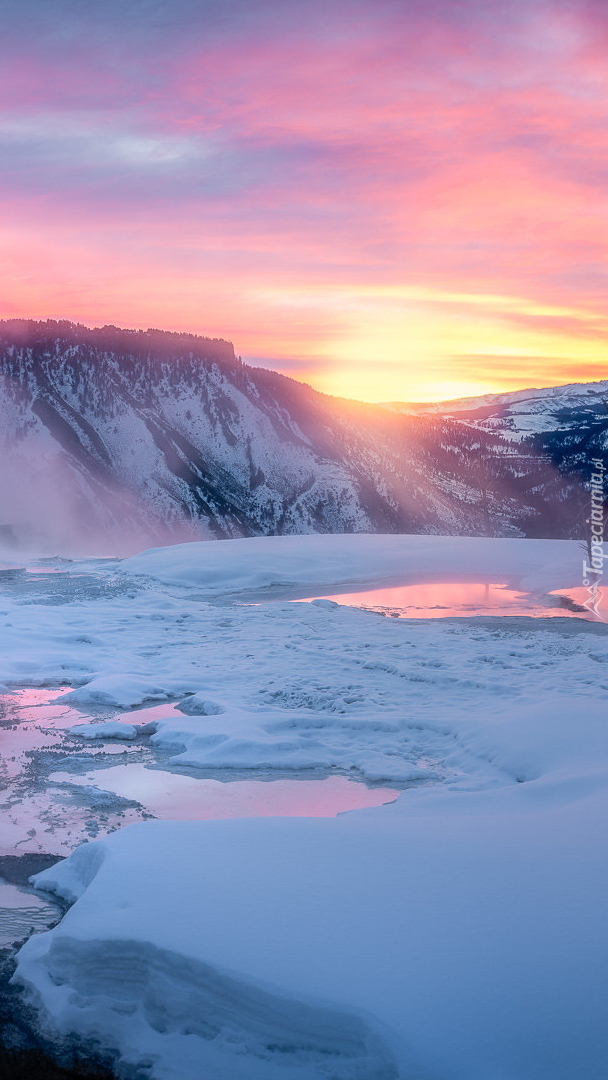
(132, 438)
(503, 397)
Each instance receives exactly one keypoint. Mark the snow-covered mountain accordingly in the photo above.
(577, 407)
(114, 439)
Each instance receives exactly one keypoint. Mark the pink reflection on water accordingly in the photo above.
(441, 600)
(41, 813)
(580, 597)
(29, 721)
(40, 705)
(176, 797)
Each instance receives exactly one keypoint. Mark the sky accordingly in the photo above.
(387, 199)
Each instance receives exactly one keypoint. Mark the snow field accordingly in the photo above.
(448, 935)
(457, 934)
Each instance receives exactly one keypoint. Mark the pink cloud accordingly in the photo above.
(206, 151)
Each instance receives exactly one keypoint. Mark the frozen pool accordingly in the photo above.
(58, 792)
(442, 600)
(179, 797)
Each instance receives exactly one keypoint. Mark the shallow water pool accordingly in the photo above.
(442, 600)
(178, 797)
(58, 792)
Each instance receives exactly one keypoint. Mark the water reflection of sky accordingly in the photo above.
(440, 600)
(59, 793)
(174, 796)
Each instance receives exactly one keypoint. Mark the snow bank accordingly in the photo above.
(123, 690)
(464, 748)
(431, 938)
(233, 566)
(199, 705)
(332, 734)
(112, 729)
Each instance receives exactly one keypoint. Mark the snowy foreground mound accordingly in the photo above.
(457, 934)
(448, 936)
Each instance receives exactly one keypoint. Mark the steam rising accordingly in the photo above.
(47, 506)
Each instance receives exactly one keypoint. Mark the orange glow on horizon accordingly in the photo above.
(406, 205)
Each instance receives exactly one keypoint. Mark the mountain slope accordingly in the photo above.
(115, 439)
(565, 426)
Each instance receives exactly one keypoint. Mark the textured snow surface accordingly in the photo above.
(457, 934)
(109, 730)
(117, 690)
(305, 686)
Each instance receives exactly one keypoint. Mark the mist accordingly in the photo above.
(49, 507)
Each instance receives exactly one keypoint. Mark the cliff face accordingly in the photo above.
(118, 439)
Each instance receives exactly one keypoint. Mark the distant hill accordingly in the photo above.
(520, 413)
